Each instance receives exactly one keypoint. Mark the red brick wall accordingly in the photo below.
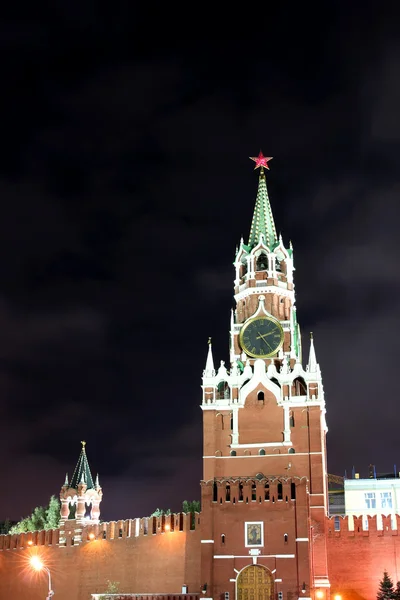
(152, 563)
(357, 559)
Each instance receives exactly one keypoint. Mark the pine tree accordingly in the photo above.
(397, 591)
(53, 514)
(41, 518)
(191, 507)
(386, 589)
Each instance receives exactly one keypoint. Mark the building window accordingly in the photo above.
(261, 452)
(386, 499)
(260, 396)
(233, 452)
(370, 500)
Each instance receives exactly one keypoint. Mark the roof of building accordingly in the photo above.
(82, 472)
(263, 220)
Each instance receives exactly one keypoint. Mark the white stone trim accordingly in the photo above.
(260, 556)
(302, 540)
(265, 289)
(206, 541)
(264, 444)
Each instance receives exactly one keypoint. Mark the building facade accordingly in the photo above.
(264, 530)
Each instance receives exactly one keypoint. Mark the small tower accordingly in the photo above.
(80, 492)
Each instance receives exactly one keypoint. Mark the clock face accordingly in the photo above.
(261, 337)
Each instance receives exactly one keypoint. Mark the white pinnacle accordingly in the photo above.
(209, 371)
(312, 366)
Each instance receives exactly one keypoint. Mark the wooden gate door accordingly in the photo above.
(255, 583)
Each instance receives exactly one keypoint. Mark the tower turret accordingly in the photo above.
(80, 492)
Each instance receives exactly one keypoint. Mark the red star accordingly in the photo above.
(261, 160)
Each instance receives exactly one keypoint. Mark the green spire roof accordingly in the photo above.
(82, 468)
(263, 221)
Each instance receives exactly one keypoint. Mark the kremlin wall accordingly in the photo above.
(161, 555)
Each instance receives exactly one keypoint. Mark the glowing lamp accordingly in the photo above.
(319, 594)
(91, 536)
(167, 528)
(337, 597)
(30, 543)
(36, 563)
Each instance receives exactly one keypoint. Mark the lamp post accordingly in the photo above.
(38, 565)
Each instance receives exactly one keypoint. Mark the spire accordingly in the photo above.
(82, 472)
(312, 366)
(263, 221)
(209, 371)
(66, 479)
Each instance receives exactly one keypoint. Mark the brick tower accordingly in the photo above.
(264, 487)
(80, 499)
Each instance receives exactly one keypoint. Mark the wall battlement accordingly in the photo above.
(370, 525)
(72, 533)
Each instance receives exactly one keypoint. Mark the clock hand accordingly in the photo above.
(262, 337)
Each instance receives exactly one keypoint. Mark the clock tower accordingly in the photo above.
(264, 487)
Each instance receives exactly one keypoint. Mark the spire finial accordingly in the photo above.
(311, 335)
(261, 161)
(209, 341)
(83, 446)
(263, 222)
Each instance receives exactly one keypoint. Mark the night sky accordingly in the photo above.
(125, 187)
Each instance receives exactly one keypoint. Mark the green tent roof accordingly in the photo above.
(82, 467)
(263, 221)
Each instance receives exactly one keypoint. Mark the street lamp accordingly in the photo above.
(38, 565)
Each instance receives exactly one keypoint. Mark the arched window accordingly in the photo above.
(228, 493)
(291, 419)
(266, 491)
(261, 452)
(279, 491)
(233, 452)
(223, 390)
(253, 492)
(291, 451)
(223, 539)
(260, 396)
(262, 262)
(293, 491)
(299, 387)
(285, 538)
(215, 492)
(240, 492)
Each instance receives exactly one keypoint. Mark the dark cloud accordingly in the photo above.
(126, 186)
